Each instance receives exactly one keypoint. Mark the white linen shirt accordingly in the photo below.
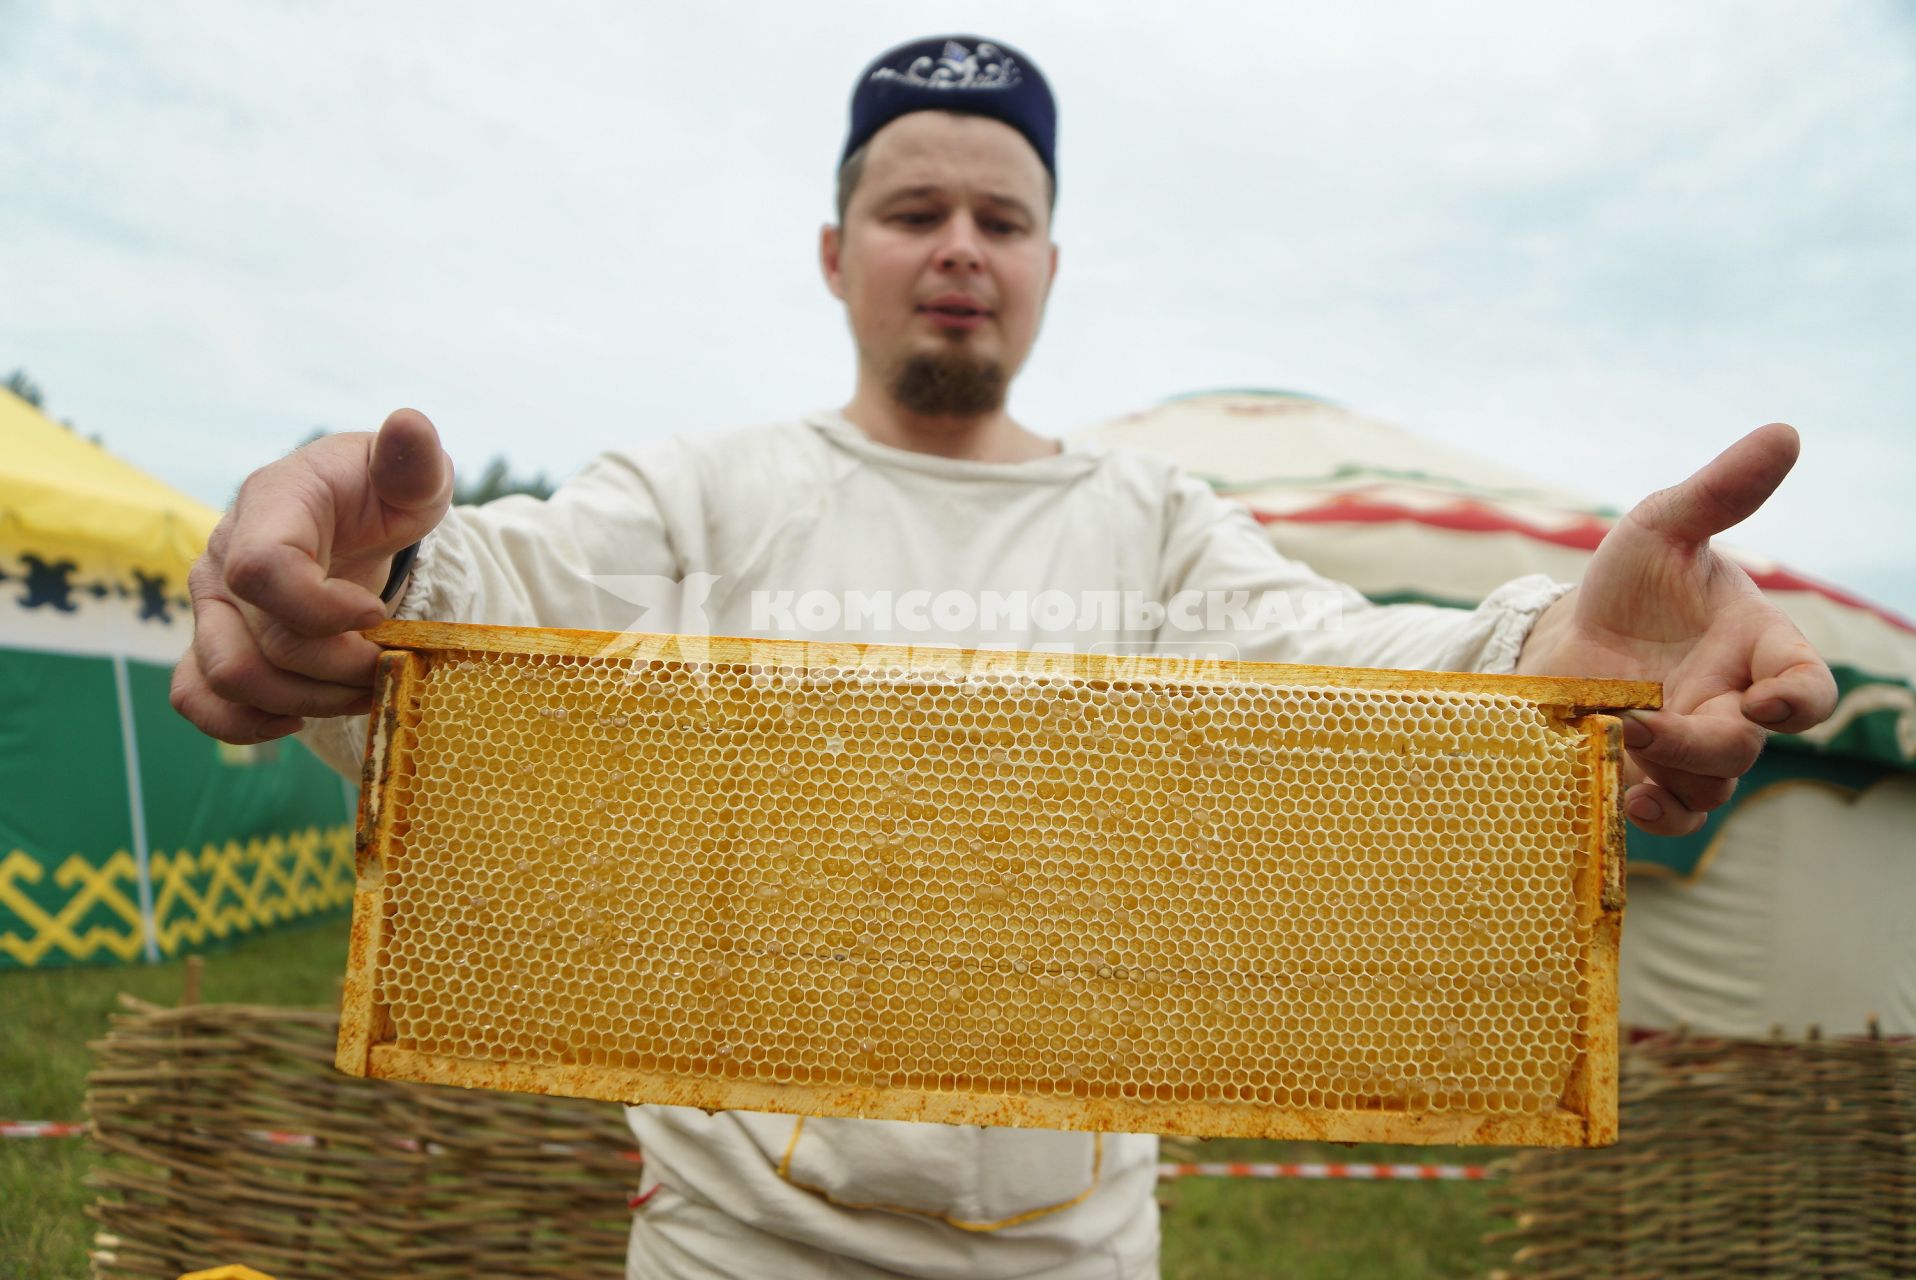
(751, 521)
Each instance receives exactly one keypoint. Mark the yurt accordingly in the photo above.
(125, 834)
(1793, 906)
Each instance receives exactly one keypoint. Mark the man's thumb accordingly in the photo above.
(1726, 491)
(410, 472)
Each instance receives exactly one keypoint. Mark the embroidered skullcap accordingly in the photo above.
(956, 73)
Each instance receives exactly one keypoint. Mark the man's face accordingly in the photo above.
(945, 258)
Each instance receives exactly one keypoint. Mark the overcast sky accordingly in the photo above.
(1597, 241)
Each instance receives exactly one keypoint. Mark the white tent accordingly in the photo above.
(1794, 905)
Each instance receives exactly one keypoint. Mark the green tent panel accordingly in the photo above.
(237, 840)
(125, 833)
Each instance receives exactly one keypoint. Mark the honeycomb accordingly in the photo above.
(1018, 890)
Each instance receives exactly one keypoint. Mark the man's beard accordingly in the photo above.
(949, 384)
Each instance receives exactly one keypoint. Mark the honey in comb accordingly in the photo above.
(896, 889)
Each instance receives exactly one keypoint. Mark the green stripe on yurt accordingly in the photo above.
(1683, 855)
(1880, 737)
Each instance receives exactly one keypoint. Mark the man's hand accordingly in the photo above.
(1657, 603)
(295, 568)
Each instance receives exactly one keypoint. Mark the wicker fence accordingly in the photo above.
(1739, 1158)
(238, 1142)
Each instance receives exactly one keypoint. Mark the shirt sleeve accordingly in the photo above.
(1230, 594)
(609, 546)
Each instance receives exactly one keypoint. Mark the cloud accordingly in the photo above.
(1598, 246)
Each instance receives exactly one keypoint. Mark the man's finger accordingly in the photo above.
(291, 504)
(287, 584)
(218, 718)
(277, 541)
(344, 659)
(1794, 689)
(1658, 812)
(231, 666)
(1726, 491)
(1715, 746)
(1696, 792)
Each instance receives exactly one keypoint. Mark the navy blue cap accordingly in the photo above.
(967, 74)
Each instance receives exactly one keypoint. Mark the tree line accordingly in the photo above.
(495, 480)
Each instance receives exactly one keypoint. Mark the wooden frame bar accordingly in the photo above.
(362, 1018)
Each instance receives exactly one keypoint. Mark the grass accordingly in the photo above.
(1244, 1229)
(1216, 1229)
(50, 1016)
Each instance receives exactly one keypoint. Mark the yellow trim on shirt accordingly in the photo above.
(1097, 1166)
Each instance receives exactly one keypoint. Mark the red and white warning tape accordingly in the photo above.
(276, 1137)
(40, 1128)
(1363, 1172)
(1360, 1172)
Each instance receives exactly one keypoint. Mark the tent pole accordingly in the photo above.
(136, 806)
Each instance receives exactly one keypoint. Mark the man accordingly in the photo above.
(923, 482)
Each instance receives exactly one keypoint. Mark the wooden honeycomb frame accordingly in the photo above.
(1059, 890)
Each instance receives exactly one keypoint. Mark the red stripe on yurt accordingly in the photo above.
(1583, 535)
